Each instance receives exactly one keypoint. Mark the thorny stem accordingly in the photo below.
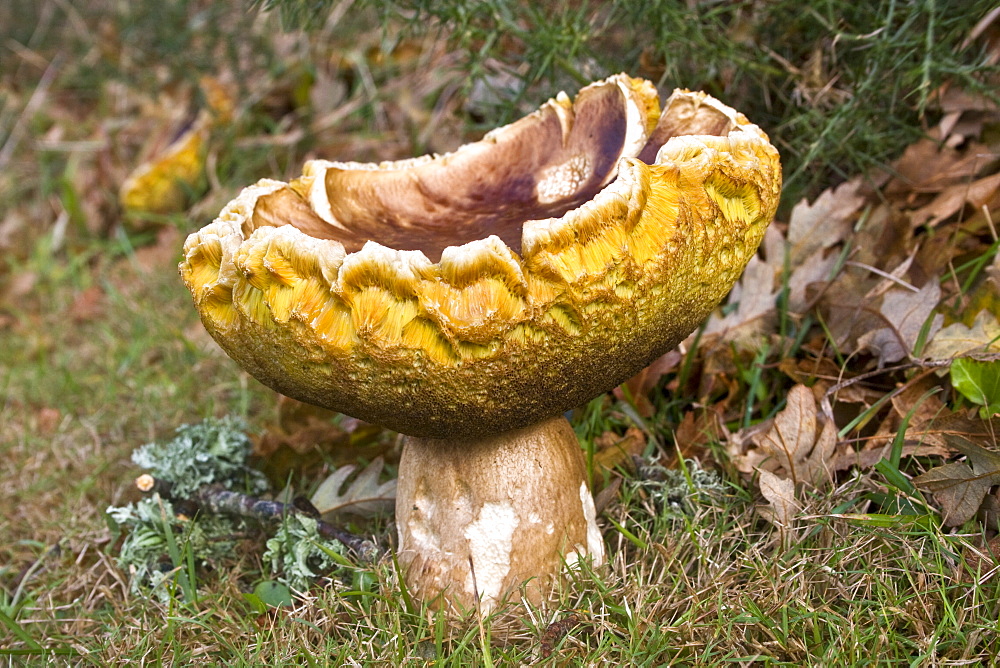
(216, 499)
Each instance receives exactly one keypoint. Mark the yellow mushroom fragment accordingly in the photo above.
(468, 300)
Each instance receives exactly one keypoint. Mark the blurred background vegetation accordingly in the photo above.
(842, 87)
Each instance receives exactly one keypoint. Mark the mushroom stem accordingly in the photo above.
(480, 517)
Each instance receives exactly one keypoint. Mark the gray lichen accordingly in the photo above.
(161, 543)
(298, 554)
(677, 492)
(210, 452)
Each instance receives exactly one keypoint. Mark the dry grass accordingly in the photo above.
(719, 586)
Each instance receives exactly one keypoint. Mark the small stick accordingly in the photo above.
(216, 499)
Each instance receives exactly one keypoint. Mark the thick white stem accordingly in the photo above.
(484, 516)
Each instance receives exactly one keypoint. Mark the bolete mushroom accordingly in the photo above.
(468, 300)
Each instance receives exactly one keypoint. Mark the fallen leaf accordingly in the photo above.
(755, 296)
(604, 497)
(638, 387)
(555, 632)
(172, 167)
(920, 405)
(957, 339)
(165, 252)
(612, 451)
(817, 268)
(847, 309)
(822, 373)
(88, 305)
(942, 431)
(865, 459)
(953, 199)
(304, 438)
(825, 222)
(301, 427)
(48, 420)
(905, 312)
(985, 463)
(697, 429)
(220, 96)
(811, 369)
(927, 166)
(957, 489)
(793, 444)
(920, 402)
(994, 269)
(20, 285)
(780, 494)
(364, 497)
(164, 183)
(886, 238)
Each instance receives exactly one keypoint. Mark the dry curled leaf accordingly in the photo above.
(780, 494)
(793, 448)
(905, 312)
(555, 632)
(955, 198)
(957, 339)
(825, 222)
(364, 497)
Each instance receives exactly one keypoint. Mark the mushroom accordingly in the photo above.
(468, 300)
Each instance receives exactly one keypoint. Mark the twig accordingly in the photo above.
(218, 500)
(927, 365)
(884, 274)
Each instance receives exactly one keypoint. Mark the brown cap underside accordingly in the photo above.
(495, 334)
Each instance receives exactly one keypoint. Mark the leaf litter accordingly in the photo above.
(864, 298)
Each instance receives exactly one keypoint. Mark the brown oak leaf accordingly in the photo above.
(905, 312)
(793, 447)
(961, 487)
(825, 222)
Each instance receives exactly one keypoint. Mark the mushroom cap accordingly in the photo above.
(487, 289)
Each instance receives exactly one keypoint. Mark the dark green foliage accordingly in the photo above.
(841, 86)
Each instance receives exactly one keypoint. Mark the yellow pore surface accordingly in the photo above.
(487, 340)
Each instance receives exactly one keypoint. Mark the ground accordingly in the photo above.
(806, 481)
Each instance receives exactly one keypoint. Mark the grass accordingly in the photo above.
(714, 586)
(101, 351)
